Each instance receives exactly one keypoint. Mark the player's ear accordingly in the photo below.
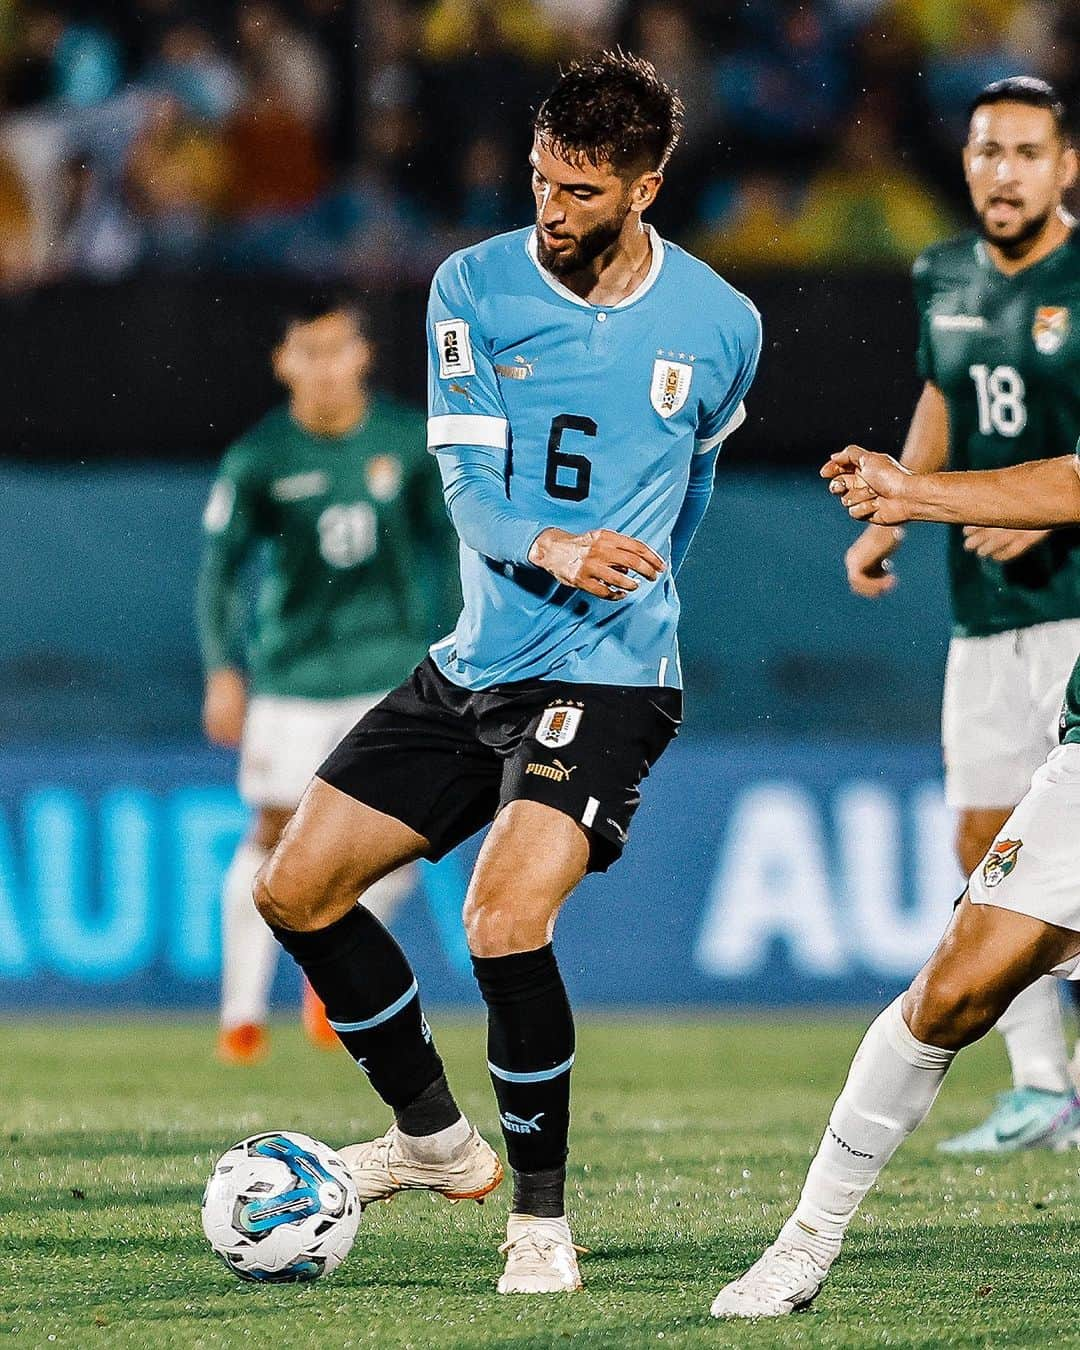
(279, 363)
(643, 193)
(1069, 166)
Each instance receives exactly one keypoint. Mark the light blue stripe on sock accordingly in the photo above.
(383, 1016)
(540, 1076)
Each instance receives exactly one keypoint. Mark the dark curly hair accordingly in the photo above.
(611, 107)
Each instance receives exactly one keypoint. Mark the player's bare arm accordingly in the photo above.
(599, 561)
(1020, 497)
(224, 706)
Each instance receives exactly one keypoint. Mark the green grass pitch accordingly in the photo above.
(690, 1139)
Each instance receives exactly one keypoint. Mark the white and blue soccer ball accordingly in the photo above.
(280, 1208)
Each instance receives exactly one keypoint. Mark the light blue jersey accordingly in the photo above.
(546, 410)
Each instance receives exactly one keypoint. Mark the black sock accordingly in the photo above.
(373, 1004)
(530, 1051)
(540, 1193)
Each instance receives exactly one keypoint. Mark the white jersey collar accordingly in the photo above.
(643, 287)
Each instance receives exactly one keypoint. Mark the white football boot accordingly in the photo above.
(381, 1169)
(541, 1257)
(785, 1279)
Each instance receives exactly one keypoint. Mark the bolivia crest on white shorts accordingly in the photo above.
(670, 385)
(559, 725)
(1001, 860)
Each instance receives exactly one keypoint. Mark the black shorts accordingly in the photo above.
(445, 760)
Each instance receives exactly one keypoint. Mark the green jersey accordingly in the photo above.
(1005, 353)
(358, 556)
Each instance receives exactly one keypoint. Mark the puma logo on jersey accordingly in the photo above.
(557, 772)
(520, 370)
(297, 487)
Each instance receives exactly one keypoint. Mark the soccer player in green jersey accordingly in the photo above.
(335, 493)
(1017, 922)
(999, 350)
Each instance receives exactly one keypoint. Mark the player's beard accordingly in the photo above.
(1024, 233)
(584, 249)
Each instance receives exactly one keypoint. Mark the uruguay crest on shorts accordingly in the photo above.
(1050, 329)
(670, 386)
(559, 725)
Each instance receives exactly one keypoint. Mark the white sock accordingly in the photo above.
(1035, 1038)
(890, 1087)
(249, 950)
(437, 1147)
(384, 898)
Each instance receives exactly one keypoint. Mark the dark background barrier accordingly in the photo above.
(97, 636)
(174, 368)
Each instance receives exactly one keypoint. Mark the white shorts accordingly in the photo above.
(999, 715)
(1033, 867)
(286, 739)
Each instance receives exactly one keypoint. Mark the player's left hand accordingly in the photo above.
(988, 541)
(871, 486)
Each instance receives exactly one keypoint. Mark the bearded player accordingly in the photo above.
(999, 351)
(1017, 921)
(334, 495)
(583, 374)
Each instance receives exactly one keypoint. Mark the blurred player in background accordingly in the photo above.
(335, 495)
(583, 374)
(1017, 922)
(999, 349)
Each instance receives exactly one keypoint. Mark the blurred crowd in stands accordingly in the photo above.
(367, 138)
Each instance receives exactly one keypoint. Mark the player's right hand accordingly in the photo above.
(224, 706)
(599, 561)
(869, 571)
(871, 486)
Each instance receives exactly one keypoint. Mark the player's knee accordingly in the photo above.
(496, 926)
(282, 896)
(949, 1013)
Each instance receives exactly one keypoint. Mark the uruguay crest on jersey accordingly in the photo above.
(1050, 328)
(670, 385)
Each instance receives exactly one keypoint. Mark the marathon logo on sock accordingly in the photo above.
(855, 1152)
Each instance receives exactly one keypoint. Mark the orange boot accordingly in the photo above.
(245, 1044)
(313, 1016)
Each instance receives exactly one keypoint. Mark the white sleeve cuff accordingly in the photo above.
(734, 422)
(467, 429)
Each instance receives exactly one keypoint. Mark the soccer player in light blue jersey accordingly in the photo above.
(583, 376)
